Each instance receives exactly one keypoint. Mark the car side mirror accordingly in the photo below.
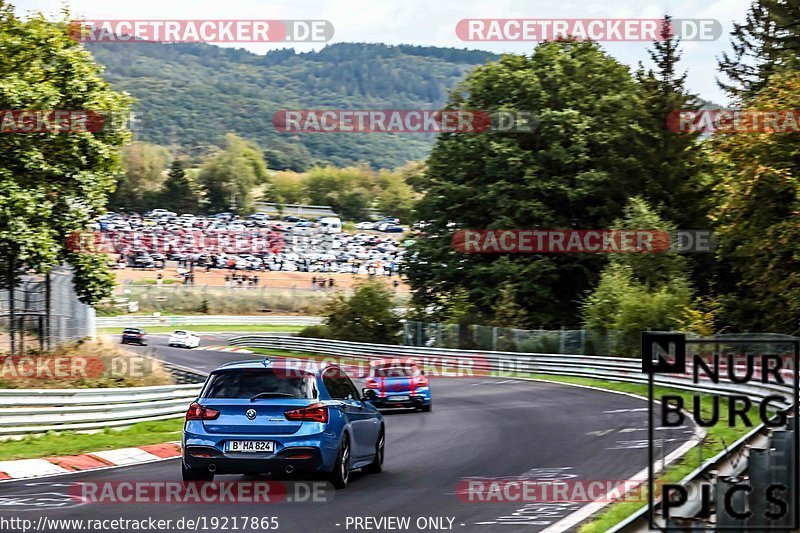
(369, 395)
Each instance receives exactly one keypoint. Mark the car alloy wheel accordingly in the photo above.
(345, 462)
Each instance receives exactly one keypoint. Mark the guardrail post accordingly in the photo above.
(738, 504)
(759, 472)
(780, 469)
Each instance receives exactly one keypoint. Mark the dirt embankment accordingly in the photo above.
(88, 364)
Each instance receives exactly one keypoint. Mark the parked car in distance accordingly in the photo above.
(134, 336)
(392, 228)
(330, 224)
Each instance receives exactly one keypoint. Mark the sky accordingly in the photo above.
(433, 22)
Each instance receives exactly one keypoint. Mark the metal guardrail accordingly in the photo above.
(205, 320)
(28, 411)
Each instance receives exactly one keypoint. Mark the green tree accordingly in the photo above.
(179, 193)
(232, 174)
(640, 291)
(767, 42)
(349, 191)
(758, 201)
(575, 170)
(396, 197)
(366, 316)
(138, 188)
(54, 184)
(289, 188)
(674, 162)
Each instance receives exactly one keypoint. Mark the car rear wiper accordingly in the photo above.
(272, 395)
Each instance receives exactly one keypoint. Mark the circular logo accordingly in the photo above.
(250, 414)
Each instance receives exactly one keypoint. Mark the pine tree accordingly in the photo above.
(673, 163)
(767, 42)
(178, 193)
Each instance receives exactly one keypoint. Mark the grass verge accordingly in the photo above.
(72, 443)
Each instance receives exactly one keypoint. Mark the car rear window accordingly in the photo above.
(396, 371)
(133, 330)
(180, 333)
(243, 384)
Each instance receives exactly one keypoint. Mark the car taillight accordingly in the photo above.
(421, 381)
(371, 383)
(316, 412)
(198, 412)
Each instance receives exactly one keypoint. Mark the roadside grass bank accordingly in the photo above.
(73, 443)
(81, 365)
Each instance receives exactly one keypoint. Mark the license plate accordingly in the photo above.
(398, 398)
(250, 446)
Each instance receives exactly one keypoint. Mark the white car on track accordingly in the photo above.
(185, 339)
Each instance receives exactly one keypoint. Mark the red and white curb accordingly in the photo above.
(49, 466)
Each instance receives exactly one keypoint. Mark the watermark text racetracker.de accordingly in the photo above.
(202, 31)
(201, 492)
(185, 240)
(595, 29)
(581, 241)
(466, 366)
(73, 367)
(32, 121)
(505, 490)
(402, 121)
(727, 121)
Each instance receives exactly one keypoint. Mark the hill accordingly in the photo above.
(190, 95)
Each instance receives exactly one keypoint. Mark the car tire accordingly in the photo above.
(427, 408)
(340, 476)
(376, 466)
(195, 474)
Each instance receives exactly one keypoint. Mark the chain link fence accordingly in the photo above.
(560, 341)
(43, 316)
(491, 338)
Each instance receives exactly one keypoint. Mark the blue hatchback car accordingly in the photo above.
(258, 417)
